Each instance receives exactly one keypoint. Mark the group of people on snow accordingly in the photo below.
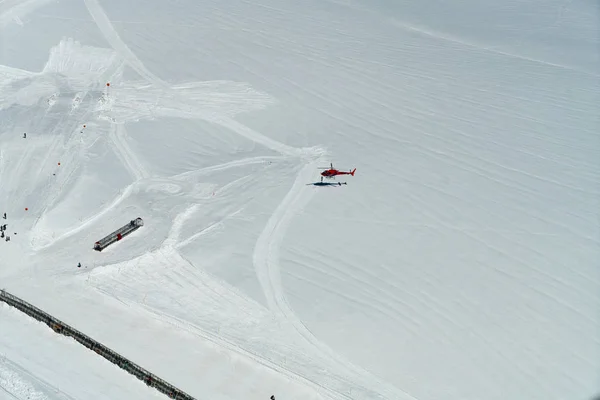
(2, 229)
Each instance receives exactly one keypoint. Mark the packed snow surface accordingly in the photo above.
(460, 262)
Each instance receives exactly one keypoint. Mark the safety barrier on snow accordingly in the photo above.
(118, 234)
(64, 329)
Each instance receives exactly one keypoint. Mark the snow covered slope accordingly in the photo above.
(35, 363)
(460, 261)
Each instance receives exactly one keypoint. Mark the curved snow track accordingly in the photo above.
(266, 263)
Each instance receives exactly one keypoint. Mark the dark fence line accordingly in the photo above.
(64, 329)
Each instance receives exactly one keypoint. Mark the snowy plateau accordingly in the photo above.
(460, 262)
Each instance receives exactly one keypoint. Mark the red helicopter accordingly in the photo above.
(332, 172)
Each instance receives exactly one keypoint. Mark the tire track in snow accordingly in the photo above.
(266, 250)
(227, 344)
(175, 232)
(173, 239)
(231, 164)
(113, 38)
(207, 229)
(125, 193)
(128, 157)
(111, 35)
(256, 137)
(266, 264)
(120, 198)
(70, 143)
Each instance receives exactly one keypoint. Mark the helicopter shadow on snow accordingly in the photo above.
(321, 183)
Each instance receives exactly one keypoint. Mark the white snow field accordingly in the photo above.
(35, 363)
(460, 262)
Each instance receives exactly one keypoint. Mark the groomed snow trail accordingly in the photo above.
(266, 263)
